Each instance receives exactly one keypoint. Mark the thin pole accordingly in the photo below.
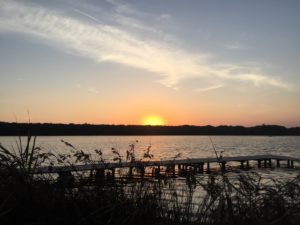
(218, 158)
(214, 148)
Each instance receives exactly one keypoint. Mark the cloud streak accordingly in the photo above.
(102, 42)
(93, 90)
(209, 88)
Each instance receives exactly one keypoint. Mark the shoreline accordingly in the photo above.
(46, 129)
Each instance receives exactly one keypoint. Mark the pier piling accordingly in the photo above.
(278, 163)
(208, 167)
(247, 163)
(223, 166)
(259, 163)
(242, 165)
(130, 172)
(142, 172)
(201, 167)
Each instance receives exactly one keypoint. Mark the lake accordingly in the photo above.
(166, 147)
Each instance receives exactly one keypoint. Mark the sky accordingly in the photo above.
(194, 62)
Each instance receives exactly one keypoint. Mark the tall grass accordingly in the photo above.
(29, 199)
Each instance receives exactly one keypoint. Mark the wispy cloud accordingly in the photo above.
(209, 88)
(93, 90)
(234, 46)
(87, 15)
(164, 17)
(105, 42)
(78, 86)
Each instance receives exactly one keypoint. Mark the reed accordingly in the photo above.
(29, 199)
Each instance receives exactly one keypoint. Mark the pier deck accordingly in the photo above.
(195, 164)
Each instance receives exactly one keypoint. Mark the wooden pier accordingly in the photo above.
(177, 167)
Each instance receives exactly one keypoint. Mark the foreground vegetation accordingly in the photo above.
(26, 198)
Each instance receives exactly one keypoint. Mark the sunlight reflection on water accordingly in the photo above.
(166, 147)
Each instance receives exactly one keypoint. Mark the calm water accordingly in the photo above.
(166, 147)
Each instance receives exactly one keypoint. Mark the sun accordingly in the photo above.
(153, 120)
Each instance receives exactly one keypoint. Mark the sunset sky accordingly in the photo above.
(198, 62)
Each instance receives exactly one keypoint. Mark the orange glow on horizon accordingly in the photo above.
(153, 120)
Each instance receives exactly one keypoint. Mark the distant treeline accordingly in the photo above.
(13, 129)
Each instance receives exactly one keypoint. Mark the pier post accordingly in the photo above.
(242, 165)
(173, 170)
(185, 169)
(195, 168)
(157, 172)
(113, 173)
(142, 172)
(292, 164)
(288, 164)
(130, 172)
(108, 176)
(208, 168)
(278, 163)
(265, 163)
(99, 176)
(270, 163)
(179, 169)
(248, 166)
(223, 166)
(201, 167)
(259, 163)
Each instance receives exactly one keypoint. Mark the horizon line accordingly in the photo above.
(142, 125)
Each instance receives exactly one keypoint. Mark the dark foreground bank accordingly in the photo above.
(15, 129)
(27, 198)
